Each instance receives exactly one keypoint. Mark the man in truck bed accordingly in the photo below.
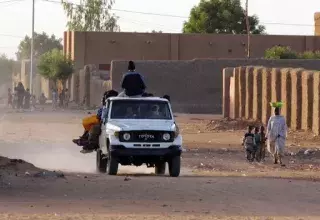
(132, 83)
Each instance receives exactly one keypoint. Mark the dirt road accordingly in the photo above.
(215, 183)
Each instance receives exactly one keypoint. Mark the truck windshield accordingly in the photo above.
(140, 109)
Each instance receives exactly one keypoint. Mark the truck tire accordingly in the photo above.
(101, 163)
(174, 166)
(113, 165)
(160, 168)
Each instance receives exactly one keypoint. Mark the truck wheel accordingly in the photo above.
(174, 166)
(113, 164)
(101, 164)
(160, 168)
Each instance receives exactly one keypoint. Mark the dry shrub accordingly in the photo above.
(227, 124)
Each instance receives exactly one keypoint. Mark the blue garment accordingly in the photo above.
(134, 72)
(99, 113)
(133, 84)
(104, 116)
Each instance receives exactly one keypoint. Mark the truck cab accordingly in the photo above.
(137, 131)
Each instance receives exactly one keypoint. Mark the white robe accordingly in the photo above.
(276, 134)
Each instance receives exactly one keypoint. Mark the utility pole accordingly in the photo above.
(248, 29)
(32, 53)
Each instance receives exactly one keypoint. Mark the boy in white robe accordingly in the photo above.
(276, 136)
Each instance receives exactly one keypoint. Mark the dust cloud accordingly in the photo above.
(60, 156)
(44, 139)
(3, 94)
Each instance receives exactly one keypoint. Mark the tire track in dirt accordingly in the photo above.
(91, 193)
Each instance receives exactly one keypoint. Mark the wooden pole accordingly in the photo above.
(248, 29)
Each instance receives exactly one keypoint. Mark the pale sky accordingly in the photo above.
(283, 17)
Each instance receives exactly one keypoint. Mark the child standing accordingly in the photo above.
(263, 144)
(33, 102)
(10, 98)
(42, 101)
(249, 143)
(257, 147)
(66, 98)
(54, 99)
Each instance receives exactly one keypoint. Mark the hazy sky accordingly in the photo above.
(287, 17)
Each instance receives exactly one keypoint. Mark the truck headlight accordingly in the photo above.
(126, 136)
(166, 136)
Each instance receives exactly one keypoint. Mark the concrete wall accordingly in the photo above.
(39, 84)
(102, 47)
(16, 76)
(87, 86)
(296, 87)
(196, 86)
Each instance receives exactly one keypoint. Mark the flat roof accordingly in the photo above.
(152, 98)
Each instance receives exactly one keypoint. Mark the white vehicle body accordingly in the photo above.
(140, 139)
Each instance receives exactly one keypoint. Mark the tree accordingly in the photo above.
(54, 65)
(310, 55)
(285, 52)
(221, 17)
(280, 52)
(6, 68)
(91, 15)
(42, 44)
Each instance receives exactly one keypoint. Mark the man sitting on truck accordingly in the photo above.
(132, 83)
(92, 126)
(167, 97)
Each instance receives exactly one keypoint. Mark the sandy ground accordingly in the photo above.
(216, 181)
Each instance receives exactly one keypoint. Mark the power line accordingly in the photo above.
(287, 24)
(9, 35)
(148, 13)
(129, 20)
(6, 5)
(144, 25)
(9, 47)
(129, 11)
(184, 17)
(10, 1)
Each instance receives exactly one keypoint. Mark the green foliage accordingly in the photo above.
(91, 15)
(310, 55)
(6, 68)
(221, 16)
(280, 52)
(55, 66)
(42, 44)
(284, 52)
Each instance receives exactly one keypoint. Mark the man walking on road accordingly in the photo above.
(20, 93)
(276, 136)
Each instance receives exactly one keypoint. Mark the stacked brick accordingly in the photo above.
(317, 24)
(254, 87)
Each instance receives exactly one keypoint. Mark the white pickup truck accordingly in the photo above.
(139, 131)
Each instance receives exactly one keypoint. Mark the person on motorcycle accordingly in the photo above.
(132, 83)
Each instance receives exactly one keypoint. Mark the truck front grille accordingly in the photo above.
(146, 136)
